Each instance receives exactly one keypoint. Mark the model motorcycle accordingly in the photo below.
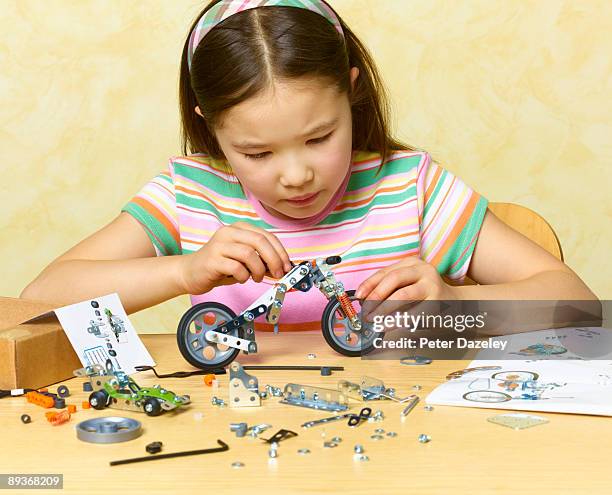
(210, 335)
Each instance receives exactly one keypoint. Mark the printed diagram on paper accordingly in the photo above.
(99, 330)
(570, 385)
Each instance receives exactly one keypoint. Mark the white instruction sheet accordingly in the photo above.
(99, 330)
(556, 378)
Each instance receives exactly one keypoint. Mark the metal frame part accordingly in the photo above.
(314, 397)
(243, 388)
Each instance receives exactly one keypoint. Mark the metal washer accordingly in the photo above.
(111, 429)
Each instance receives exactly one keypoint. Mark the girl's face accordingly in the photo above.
(290, 146)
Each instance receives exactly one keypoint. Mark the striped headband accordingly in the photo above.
(226, 8)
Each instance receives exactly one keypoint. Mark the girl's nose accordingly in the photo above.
(296, 175)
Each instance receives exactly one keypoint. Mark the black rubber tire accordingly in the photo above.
(152, 407)
(63, 391)
(328, 331)
(100, 399)
(183, 328)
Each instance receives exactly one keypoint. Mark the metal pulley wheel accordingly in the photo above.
(112, 429)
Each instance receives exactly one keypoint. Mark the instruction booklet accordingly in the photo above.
(99, 330)
(554, 376)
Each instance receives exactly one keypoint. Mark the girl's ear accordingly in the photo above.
(354, 74)
(197, 110)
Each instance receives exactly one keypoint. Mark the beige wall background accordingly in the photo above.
(513, 96)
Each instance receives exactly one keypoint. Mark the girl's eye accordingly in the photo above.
(321, 139)
(257, 156)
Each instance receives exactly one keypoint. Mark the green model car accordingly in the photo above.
(117, 390)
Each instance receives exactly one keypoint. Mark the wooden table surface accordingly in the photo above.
(467, 454)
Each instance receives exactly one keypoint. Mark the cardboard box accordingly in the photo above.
(34, 350)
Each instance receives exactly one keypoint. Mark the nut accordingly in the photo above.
(154, 447)
(237, 465)
(377, 437)
(380, 431)
(311, 356)
(416, 387)
(336, 439)
(358, 449)
(330, 445)
(391, 434)
(303, 451)
(424, 438)
(364, 458)
(428, 408)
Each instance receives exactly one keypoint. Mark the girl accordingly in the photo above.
(287, 156)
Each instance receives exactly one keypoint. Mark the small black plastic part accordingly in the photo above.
(59, 403)
(326, 371)
(94, 304)
(25, 418)
(154, 447)
(87, 387)
(63, 391)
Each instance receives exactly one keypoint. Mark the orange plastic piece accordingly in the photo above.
(71, 408)
(86, 405)
(208, 379)
(60, 418)
(50, 414)
(40, 399)
(43, 389)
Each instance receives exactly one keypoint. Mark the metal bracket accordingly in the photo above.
(230, 341)
(314, 397)
(243, 388)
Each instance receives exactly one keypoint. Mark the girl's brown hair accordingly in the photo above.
(245, 53)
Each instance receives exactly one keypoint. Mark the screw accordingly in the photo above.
(215, 401)
(272, 453)
(424, 438)
(428, 408)
(358, 449)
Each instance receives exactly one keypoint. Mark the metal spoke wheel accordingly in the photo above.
(196, 350)
(339, 333)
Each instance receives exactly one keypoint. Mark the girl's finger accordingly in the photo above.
(272, 251)
(391, 282)
(248, 257)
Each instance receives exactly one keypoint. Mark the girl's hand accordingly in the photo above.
(235, 253)
(408, 280)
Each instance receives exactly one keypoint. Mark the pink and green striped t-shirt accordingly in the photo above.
(412, 207)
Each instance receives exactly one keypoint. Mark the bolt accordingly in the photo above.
(424, 438)
(377, 416)
(215, 401)
(358, 449)
(263, 394)
(273, 453)
(428, 408)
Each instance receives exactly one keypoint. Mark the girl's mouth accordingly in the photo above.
(306, 200)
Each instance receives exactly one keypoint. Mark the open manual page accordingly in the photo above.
(566, 370)
(100, 331)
